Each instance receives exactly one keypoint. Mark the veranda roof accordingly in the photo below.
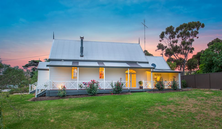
(159, 62)
(98, 64)
(43, 66)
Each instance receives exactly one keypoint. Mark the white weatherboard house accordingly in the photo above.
(73, 62)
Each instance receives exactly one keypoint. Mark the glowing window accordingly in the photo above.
(101, 73)
(130, 71)
(74, 72)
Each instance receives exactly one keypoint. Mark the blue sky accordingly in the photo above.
(26, 26)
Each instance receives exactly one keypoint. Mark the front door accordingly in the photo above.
(132, 79)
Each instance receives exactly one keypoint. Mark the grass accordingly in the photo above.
(188, 109)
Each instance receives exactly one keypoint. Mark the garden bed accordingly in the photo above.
(71, 96)
(165, 91)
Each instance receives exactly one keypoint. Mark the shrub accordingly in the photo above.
(184, 84)
(174, 85)
(141, 82)
(117, 87)
(160, 85)
(62, 91)
(92, 87)
(19, 90)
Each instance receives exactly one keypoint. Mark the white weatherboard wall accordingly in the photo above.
(114, 74)
(60, 73)
(141, 74)
(43, 76)
(87, 74)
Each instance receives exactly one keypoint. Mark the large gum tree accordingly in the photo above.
(177, 43)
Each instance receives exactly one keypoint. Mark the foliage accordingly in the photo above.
(174, 85)
(172, 65)
(1, 65)
(92, 87)
(160, 85)
(161, 47)
(46, 60)
(13, 76)
(117, 87)
(184, 83)
(147, 53)
(192, 64)
(62, 91)
(140, 82)
(217, 40)
(212, 59)
(198, 55)
(83, 85)
(200, 70)
(34, 77)
(178, 42)
(33, 65)
(19, 90)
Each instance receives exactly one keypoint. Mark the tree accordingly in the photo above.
(33, 65)
(211, 59)
(13, 76)
(46, 60)
(147, 53)
(192, 64)
(217, 40)
(34, 77)
(198, 55)
(161, 47)
(1, 65)
(172, 65)
(178, 41)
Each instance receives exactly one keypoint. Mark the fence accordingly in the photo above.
(204, 81)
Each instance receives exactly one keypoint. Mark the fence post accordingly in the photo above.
(29, 88)
(179, 78)
(143, 84)
(104, 83)
(209, 81)
(151, 79)
(36, 92)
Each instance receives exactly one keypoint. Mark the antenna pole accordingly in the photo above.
(144, 24)
(144, 36)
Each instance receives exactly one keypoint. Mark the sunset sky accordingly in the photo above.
(26, 26)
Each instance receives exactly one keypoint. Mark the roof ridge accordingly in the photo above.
(96, 41)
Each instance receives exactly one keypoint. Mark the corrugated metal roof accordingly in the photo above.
(43, 65)
(158, 61)
(98, 51)
(96, 64)
(166, 71)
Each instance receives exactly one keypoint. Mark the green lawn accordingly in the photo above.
(188, 109)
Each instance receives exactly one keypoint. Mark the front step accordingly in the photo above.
(43, 93)
(32, 92)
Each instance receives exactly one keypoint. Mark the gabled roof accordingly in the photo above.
(158, 61)
(96, 51)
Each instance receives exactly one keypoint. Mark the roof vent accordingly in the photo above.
(81, 47)
(154, 65)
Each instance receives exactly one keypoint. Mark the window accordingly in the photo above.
(101, 73)
(74, 72)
